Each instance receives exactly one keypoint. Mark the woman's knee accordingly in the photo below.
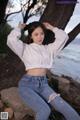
(63, 107)
(58, 103)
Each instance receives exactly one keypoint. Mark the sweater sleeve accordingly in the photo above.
(14, 43)
(60, 40)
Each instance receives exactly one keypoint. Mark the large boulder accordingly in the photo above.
(12, 99)
(68, 88)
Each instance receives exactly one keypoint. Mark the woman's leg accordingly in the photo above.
(35, 102)
(59, 104)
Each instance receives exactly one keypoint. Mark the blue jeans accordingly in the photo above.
(39, 96)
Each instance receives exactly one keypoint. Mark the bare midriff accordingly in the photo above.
(37, 72)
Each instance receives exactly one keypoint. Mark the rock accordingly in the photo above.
(10, 112)
(28, 117)
(68, 88)
(19, 115)
(12, 99)
(64, 84)
(1, 106)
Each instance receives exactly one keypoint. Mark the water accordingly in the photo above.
(68, 61)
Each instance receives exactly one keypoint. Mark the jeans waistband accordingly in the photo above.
(33, 80)
(35, 77)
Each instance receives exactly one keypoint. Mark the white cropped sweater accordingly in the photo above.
(34, 55)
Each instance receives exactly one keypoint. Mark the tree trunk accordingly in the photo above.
(58, 14)
(3, 4)
(73, 34)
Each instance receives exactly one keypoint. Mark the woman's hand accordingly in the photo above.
(48, 26)
(21, 26)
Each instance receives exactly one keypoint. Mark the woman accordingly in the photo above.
(38, 58)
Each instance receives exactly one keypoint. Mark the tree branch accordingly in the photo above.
(11, 14)
(31, 6)
(73, 34)
(3, 4)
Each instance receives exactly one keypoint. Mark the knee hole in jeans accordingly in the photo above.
(52, 97)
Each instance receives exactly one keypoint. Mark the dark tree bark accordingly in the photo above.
(3, 4)
(73, 34)
(59, 16)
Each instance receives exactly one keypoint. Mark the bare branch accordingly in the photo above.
(23, 6)
(3, 4)
(11, 14)
(73, 34)
(31, 6)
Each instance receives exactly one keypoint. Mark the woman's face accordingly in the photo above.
(38, 35)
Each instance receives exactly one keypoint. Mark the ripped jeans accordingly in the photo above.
(38, 95)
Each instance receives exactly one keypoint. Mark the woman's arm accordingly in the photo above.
(60, 40)
(14, 43)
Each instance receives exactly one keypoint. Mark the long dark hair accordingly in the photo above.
(49, 35)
